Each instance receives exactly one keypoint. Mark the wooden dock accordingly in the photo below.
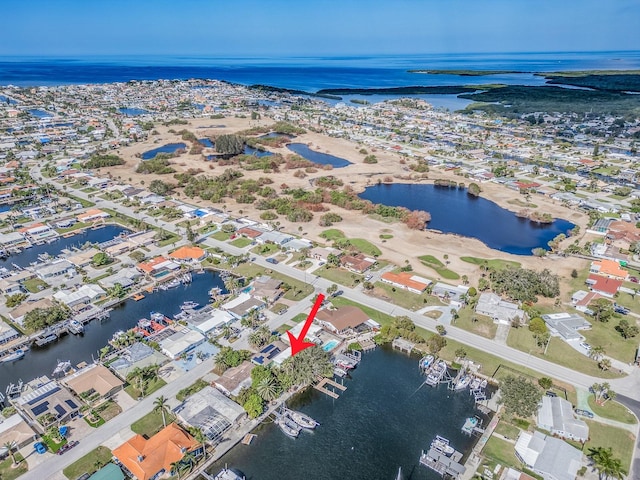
(327, 381)
(248, 438)
(367, 345)
(403, 345)
(138, 296)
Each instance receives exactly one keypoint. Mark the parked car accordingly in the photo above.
(272, 260)
(67, 446)
(633, 279)
(40, 447)
(368, 277)
(584, 413)
(338, 293)
(551, 394)
(585, 345)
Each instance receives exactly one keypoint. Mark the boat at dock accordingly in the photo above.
(288, 426)
(76, 327)
(42, 341)
(441, 444)
(226, 474)
(13, 356)
(172, 284)
(426, 362)
(189, 305)
(304, 421)
(438, 370)
(463, 382)
(62, 369)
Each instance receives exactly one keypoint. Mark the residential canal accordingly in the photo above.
(454, 211)
(30, 255)
(78, 348)
(381, 422)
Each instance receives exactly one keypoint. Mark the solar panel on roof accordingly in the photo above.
(40, 409)
(60, 409)
(44, 395)
(71, 403)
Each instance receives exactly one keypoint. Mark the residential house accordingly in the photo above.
(322, 253)
(451, 293)
(566, 325)
(7, 333)
(552, 458)
(92, 215)
(242, 305)
(12, 238)
(234, 379)
(605, 286)
(357, 263)
(57, 268)
(211, 411)
(555, 415)
(608, 268)
(48, 403)
(267, 289)
(158, 266)
(86, 294)
(407, 281)
(277, 238)
(83, 258)
(95, 378)
(188, 253)
(17, 314)
(342, 320)
(138, 355)
(16, 431)
(249, 232)
(207, 320)
(146, 459)
(126, 277)
(267, 354)
(499, 310)
(181, 342)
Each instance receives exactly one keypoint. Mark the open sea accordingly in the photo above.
(307, 73)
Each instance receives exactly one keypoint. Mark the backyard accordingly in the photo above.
(88, 464)
(151, 423)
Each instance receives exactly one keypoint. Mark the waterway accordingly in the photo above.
(132, 112)
(30, 255)
(318, 157)
(79, 348)
(454, 211)
(381, 422)
(168, 148)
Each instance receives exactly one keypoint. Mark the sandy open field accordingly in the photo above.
(406, 244)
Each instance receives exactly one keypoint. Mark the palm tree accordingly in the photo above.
(597, 352)
(160, 404)
(201, 438)
(267, 389)
(177, 468)
(610, 396)
(189, 461)
(607, 465)
(604, 364)
(10, 446)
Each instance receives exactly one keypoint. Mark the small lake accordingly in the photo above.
(168, 148)
(206, 142)
(79, 348)
(132, 112)
(255, 152)
(29, 255)
(454, 211)
(381, 422)
(318, 157)
(40, 113)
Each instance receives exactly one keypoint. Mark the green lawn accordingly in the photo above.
(491, 263)
(558, 352)
(507, 430)
(502, 452)
(483, 325)
(386, 236)
(7, 472)
(241, 242)
(285, 327)
(266, 249)
(407, 299)
(298, 291)
(612, 410)
(75, 226)
(301, 317)
(221, 236)
(33, 283)
(621, 441)
(278, 307)
(435, 264)
(332, 234)
(152, 387)
(365, 247)
(169, 240)
(339, 275)
(605, 335)
(191, 389)
(151, 423)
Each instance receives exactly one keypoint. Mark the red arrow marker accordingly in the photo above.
(298, 344)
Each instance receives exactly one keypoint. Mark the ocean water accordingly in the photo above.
(306, 73)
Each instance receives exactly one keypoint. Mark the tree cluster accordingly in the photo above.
(101, 161)
(519, 396)
(523, 284)
(40, 318)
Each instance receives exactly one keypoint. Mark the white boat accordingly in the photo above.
(288, 426)
(441, 444)
(426, 362)
(13, 356)
(189, 305)
(463, 382)
(172, 284)
(76, 327)
(62, 369)
(301, 419)
(227, 474)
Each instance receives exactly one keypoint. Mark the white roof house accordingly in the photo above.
(55, 269)
(85, 294)
(566, 325)
(181, 342)
(549, 457)
(210, 320)
(499, 310)
(556, 416)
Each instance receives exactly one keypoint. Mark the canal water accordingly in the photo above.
(318, 157)
(454, 211)
(78, 348)
(168, 148)
(381, 422)
(30, 255)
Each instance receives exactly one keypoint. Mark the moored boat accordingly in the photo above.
(13, 356)
(76, 327)
(441, 444)
(301, 419)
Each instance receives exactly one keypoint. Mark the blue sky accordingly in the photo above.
(319, 27)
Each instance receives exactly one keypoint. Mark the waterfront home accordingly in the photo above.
(9, 285)
(188, 253)
(343, 320)
(267, 289)
(268, 353)
(549, 457)
(83, 258)
(92, 215)
(555, 415)
(57, 268)
(406, 281)
(16, 431)
(7, 333)
(47, 403)
(158, 266)
(146, 459)
(138, 355)
(605, 286)
(242, 305)
(566, 325)
(274, 237)
(17, 314)
(357, 263)
(208, 320)
(38, 231)
(181, 342)
(608, 268)
(11, 239)
(127, 277)
(211, 411)
(93, 379)
(499, 310)
(86, 294)
(234, 379)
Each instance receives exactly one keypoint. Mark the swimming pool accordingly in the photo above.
(330, 345)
